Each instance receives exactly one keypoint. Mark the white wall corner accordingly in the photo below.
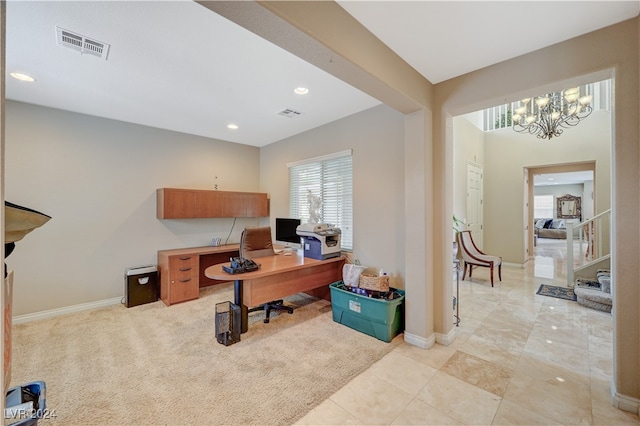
(446, 339)
(419, 341)
(623, 402)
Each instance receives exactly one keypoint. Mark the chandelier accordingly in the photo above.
(545, 116)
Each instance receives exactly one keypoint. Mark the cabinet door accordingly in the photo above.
(235, 204)
(175, 203)
(210, 204)
(257, 205)
(245, 204)
(183, 290)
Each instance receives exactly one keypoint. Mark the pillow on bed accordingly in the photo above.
(540, 224)
(548, 223)
(558, 224)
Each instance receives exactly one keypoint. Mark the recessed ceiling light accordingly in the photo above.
(301, 90)
(232, 126)
(22, 77)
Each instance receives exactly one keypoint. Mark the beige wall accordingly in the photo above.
(97, 178)
(376, 138)
(507, 153)
(468, 146)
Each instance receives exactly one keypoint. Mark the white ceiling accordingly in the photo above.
(446, 39)
(176, 65)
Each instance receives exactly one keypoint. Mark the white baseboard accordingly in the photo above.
(21, 319)
(419, 341)
(446, 339)
(623, 402)
(514, 265)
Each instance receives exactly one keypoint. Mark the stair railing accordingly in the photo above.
(590, 238)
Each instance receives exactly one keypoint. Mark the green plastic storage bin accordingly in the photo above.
(380, 318)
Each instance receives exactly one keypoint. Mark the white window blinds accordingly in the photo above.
(321, 190)
(543, 206)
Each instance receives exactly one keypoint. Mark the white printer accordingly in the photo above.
(320, 240)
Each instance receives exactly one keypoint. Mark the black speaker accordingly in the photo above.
(141, 285)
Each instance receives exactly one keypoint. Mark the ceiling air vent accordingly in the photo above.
(290, 113)
(81, 43)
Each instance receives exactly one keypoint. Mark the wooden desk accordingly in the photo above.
(280, 276)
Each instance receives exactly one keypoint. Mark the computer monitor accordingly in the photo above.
(286, 232)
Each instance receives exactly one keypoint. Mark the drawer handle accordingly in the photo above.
(185, 258)
(185, 269)
(185, 281)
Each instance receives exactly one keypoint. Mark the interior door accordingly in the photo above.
(474, 202)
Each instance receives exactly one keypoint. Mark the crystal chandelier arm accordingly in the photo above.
(550, 113)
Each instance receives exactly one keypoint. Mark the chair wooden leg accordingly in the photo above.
(500, 272)
(464, 273)
(470, 270)
(491, 267)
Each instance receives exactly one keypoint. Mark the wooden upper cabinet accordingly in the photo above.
(255, 205)
(193, 203)
(210, 204)
(175, 203)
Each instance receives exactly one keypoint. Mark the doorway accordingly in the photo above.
(553, 181)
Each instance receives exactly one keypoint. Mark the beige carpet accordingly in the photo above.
(152, 364)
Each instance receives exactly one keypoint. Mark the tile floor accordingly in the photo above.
(518, 359)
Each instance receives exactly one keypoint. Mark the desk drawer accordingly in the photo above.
(182, 274)
(183, 267)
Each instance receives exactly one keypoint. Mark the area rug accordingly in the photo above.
(557, 292)
(153, 364)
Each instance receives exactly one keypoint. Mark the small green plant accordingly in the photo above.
(458, 224)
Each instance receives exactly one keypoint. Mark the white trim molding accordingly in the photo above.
(446, 339)
(419, 341)
(623, 402)
(21, 319)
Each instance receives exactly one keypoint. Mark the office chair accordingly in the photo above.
(472, 256)
(256, 242)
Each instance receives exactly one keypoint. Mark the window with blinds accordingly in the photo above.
(321, 190)
(543, 206)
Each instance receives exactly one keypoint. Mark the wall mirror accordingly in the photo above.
(569, 207)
